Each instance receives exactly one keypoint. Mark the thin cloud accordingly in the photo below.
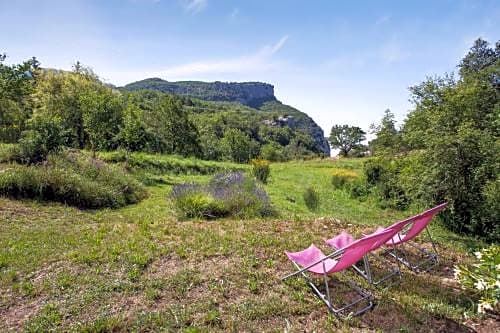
(194, 6)
(256, 62)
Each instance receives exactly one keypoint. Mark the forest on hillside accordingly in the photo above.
(44, 110)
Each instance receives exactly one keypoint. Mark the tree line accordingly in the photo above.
(43, 109)
(447, 148)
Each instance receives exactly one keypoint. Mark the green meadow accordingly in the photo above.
(140, 268)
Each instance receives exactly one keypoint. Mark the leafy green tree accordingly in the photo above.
(58, 95)
(301, 145)
(280, 135)
(273, 152)
(387, 138)
(456, 130)
(17, 83)
(44, 135)
(479, 57)
(101, 115)
(133, 135)
(345, 138)
(174, 133)
(237, 146)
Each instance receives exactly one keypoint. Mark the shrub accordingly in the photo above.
(273, 152)
(311, 198)
(228, 193)
(192, 201)
(46, 135)
(261, 169)
(8, 152)
(341, 177)
(374, 169)
(241, 195)
(74, 179)
(383, 176)
(358, 189)
(483, 277)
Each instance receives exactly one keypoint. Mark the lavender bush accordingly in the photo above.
(227, 193)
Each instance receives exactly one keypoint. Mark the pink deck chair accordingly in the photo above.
(344, 238)
(408, 229)
(312, 260)
(414, 227)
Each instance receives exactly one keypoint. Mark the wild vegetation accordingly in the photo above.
(140, 267)
(448, 147)
(166, 166)
(72, 178)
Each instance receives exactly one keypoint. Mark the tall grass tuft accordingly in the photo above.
(311, 199)
(72, 178)
(261, 169)
(341, 177)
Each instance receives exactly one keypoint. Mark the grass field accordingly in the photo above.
(138, 268)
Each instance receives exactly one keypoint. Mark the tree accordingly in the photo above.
(454, 134)
(345, 138)
(58, 95)
(101, 114)
(133, 135)
(237, 146)
(17, 83)
(479, 57)
(387, 138)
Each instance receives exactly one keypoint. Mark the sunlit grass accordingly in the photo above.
(139, 268)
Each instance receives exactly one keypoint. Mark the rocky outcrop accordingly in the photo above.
(252, 94)
(257, 95)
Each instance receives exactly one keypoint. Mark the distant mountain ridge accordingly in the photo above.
(256, 95)
(252, 94)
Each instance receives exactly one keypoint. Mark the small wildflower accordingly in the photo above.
(482, 306)
(480, 284)
(478, 254)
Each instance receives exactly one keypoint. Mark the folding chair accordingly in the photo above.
(414, 226)
(407, 230)
(344, 239)
(312, 260)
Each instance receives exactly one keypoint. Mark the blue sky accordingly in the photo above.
(342, 62)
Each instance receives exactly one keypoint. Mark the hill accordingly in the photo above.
(257, 96)
(252, 94)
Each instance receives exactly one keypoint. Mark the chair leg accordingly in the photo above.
(326, 298)
(430, 258)
(368, 275)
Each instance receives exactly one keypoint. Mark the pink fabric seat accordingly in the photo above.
(341, 240)
(315, 261)
(417, 222)
(311, 255)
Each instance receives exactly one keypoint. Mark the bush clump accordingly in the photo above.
(227, 193)
(483, 278)
(71, 178)
(192, 201)
(311, 199)
(341, 177)
(384, 178)
(261, 170)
